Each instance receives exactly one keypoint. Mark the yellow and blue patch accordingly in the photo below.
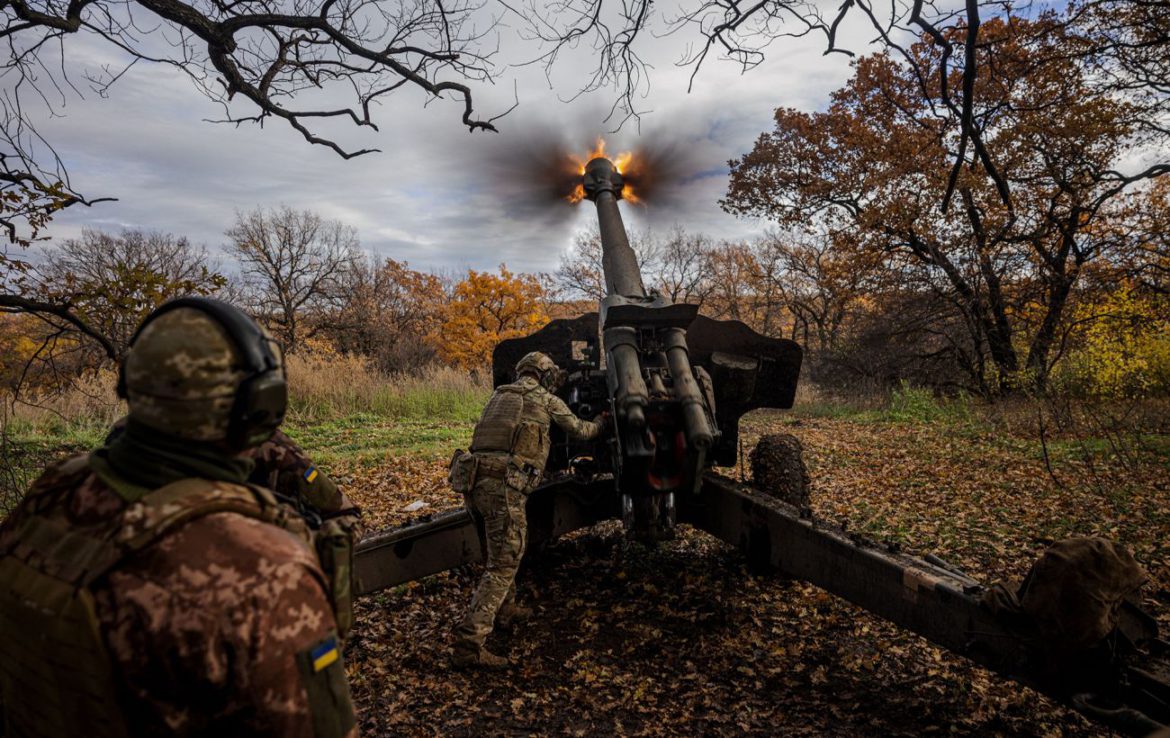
(310, 474)
(324, 654)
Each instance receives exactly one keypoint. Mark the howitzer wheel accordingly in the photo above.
(778, 469)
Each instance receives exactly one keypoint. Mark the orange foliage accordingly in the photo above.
(485, 309)
(875, 166)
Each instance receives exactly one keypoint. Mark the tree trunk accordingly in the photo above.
(1059, 289)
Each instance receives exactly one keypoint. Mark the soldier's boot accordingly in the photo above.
(511, 614)
(470, 656)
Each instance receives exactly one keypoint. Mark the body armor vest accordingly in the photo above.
(496, 429)
(56, 675)
(513, 424)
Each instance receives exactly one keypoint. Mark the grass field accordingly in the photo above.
(682, 640)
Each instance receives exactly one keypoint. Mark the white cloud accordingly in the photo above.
(433, 196)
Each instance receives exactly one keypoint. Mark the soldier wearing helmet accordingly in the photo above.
(509, 449)
(145, 588)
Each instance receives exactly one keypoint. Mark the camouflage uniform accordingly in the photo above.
(282, 466)
(204, 627)
(503, 480)
(156, 593)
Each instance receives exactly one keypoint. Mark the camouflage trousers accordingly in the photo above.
(500, 516)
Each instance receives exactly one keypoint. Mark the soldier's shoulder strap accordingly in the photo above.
(83, 556)
(170, 507)
(525, 392)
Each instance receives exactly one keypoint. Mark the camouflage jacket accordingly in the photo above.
(208, 627)
(283, 467)
(529, 441)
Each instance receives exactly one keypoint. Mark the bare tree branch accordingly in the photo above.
(63, 311)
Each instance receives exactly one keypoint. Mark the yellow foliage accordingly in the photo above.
(1126, 347)
(16, 343)
(319, 347)
(22, 336)
(485, 309)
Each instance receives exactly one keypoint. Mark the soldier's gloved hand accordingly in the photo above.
(603, 418)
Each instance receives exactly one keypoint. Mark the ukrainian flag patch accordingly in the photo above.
(324, 654)
(310, 474)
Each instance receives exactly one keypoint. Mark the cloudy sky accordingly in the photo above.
(436, 195)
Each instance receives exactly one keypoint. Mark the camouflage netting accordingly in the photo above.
(1074, 591)
(778, 469)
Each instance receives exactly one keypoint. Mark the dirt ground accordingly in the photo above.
(683, 641)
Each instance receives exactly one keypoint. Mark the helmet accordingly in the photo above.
(543, 368)
(203, 370)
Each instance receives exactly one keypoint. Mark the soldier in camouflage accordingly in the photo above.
(283, 467)
(155, 591)
(509, 450)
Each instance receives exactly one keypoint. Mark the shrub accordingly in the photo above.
(920, 405)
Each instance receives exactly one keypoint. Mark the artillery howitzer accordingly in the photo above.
(677, 384)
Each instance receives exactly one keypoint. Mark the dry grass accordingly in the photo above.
(91, 402)
(320, 389)
(325, 388)
(338, 395)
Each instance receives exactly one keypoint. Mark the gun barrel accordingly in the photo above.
(686, 389)
(603, 185)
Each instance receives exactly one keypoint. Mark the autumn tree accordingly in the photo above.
(114, 281)
(487, 308)
(876, 164)
(1147, 257)
(294, 264)
(734, 285)
(1126, 44)
(1123, 349)
(28, 200)
(19, 343)
(817, 279)
(389, 312)
(105, 284)
(580, 273)
(681, 269)
(676, 266)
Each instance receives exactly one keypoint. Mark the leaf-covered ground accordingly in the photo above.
(682, 640)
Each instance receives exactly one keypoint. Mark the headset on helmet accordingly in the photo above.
(550, 376)
(262, 396)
